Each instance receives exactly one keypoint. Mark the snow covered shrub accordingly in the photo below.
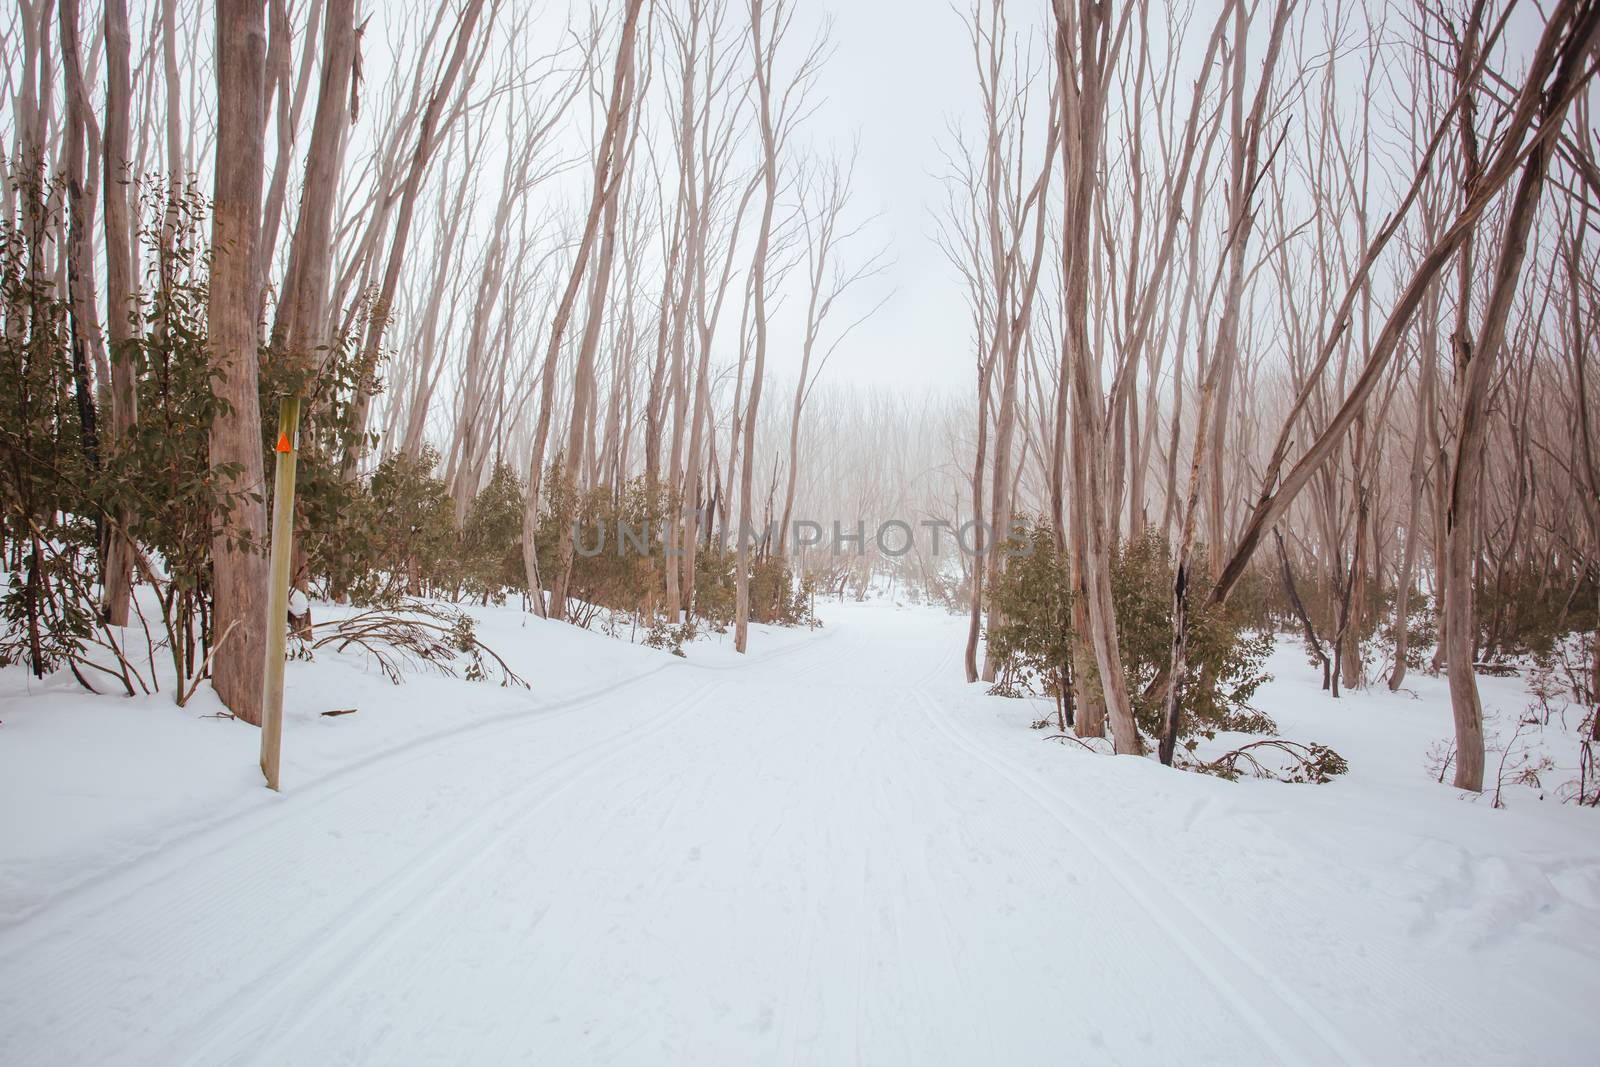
(414, 635)
(1226, 654)
(669, 636)
(1275, 758)
(47, 620)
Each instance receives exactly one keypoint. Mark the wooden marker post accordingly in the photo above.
(278, 587)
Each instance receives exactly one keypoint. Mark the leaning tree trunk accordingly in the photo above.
(300, 334)
(382, 307)
(1461, 514)
(603, 188)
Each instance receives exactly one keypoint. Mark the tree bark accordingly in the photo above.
(764, 54)
(82, 140)
(1084, 53)
(606, 177)
(1461, 515)
(239, 578)
(1569, 36)
(427, 141)
(120, 311)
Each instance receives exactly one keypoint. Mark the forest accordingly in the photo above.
(1287, 308)
(649, 462)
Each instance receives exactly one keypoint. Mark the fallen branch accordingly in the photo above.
(1307, 763)
(418, 634)
(1081, 742)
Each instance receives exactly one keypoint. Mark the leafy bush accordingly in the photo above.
(610, 569)
(1520, 612)
(1422, 628)
(70, 492)
(45, 478)
(491, 538)
(397, 535)
(1032, 636)
(1032, 601)
(670, 636)
(1225, 655)
(776, 599)
(715, 589)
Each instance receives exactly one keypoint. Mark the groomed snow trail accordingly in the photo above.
(808, 858)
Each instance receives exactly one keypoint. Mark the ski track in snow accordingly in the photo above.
(812, 857)
(1238, 979)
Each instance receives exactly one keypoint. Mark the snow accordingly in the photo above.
(830, 852)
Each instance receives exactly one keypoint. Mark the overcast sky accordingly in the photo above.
(900, 70)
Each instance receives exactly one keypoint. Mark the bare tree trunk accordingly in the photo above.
(1461, 515)
(177, 164)
(980, 459)
(1428, 359)
(607, 177)
(1084, 52)
(583, 388)
(302, 312)
(120, 310)
(88, 348)
(290, 105)
(427, 141)
(239, 618)
(764, 54)
(1088, 690)
(1179, 659)
(654, 404)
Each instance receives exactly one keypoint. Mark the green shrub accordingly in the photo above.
(776, 599)
(715, 589)
(397, 536)
(1226, 656)
(1032, 601)
(491, 538)
(1032, 636)
(607, 572)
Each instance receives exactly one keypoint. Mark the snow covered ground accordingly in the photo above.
(832, 852)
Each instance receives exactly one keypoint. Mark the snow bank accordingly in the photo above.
(91, 783)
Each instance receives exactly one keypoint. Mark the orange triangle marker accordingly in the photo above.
(283, 442)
